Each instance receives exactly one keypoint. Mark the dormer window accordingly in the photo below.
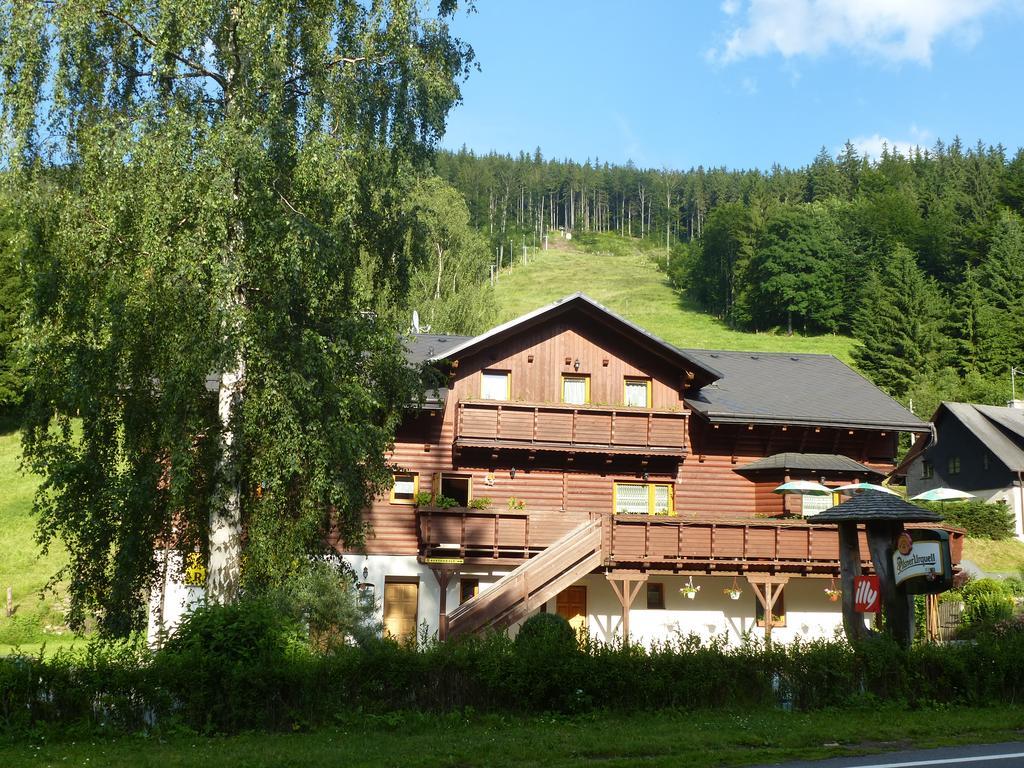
(494, 385)
(638, 392)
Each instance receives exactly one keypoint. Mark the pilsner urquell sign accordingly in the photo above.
(922, 561)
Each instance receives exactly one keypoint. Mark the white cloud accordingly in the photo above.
(872, 145)
(895, 30)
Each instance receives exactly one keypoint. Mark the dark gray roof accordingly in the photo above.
(783, 388)
(1001, 430)
(582, 302)
(817, 462)
(421, 347)
(869, 506)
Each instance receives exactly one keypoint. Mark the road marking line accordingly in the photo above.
(943, 761)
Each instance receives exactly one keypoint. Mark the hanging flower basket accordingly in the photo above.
(834, 594)
(733, 593)
(689, 590)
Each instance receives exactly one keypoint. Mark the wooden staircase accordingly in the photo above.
(519, 593)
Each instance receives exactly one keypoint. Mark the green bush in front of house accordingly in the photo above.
(231, 672)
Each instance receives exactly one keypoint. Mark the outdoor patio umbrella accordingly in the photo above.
(806, 487)
(853, 488)
(943, 494)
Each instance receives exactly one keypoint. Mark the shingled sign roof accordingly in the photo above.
(814, 462)
(875, 506)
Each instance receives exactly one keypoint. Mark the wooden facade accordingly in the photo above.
(548, 469)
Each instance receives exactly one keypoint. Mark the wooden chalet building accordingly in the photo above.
(575, 463)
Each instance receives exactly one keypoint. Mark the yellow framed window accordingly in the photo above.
(494, 385)
(643, 499)
(638, 392)
(405, 488)
(575, 389)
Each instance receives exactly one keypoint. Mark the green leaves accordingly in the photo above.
(227, 169)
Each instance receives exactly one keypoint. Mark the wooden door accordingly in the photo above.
(401, 599)
(571, 604)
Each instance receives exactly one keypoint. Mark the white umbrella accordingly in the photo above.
(943, 494)
(853, 488)
(808, 487)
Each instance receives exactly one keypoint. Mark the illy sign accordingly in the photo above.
(866, 594)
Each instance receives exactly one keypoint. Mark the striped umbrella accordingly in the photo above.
(853, 488)
(807, 487)
(943, 494)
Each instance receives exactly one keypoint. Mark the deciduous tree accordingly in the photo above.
(230, 163)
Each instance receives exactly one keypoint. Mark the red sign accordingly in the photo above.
(866, 594)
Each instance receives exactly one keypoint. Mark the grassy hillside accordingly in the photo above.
(22, 567)
(624, 278)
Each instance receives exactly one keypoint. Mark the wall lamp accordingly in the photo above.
(512, 473)
(576, 365)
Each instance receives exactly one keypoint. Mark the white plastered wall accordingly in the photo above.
(809, 612)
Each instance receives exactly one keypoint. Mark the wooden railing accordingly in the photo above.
(557, 426)
(533, 583)
(731, 544)
(644, 541)
(490, 534)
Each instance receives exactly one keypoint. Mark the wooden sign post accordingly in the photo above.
(883, 516)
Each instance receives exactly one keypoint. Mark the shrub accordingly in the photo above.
(987, 609)
(549, 630)
(545, 671)
(980, 519)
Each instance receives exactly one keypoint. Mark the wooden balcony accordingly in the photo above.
(575, 428)
(490, 535)
(643, 542)
(732, 545)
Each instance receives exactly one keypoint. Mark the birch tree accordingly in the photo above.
(228, 166)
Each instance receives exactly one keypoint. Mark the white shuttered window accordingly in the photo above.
(494, 385)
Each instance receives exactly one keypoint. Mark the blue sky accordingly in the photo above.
(740, 83)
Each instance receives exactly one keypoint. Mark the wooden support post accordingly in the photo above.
(932, 618)
(767, 588)
(10, 602)
(897, 604)
(849, 567)
(443, 575)
(627, 590)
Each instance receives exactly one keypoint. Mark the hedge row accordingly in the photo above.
(124, 688)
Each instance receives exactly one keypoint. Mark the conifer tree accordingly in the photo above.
(899, 325)
(1001, 276)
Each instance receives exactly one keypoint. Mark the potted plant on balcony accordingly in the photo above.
(734, 591)
(833, 592)
(689, 590)
(423, 499)
(480, 502)
(516, 505)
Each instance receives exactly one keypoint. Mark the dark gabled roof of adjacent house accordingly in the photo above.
(703, 371)
(814, 462)
(1001, 430)
(784, 388)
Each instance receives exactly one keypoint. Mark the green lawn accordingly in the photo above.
(694, 740)
(22, 567)
(624, 278)
(1005, 556)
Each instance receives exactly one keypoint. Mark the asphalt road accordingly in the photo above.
(1008, 755)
